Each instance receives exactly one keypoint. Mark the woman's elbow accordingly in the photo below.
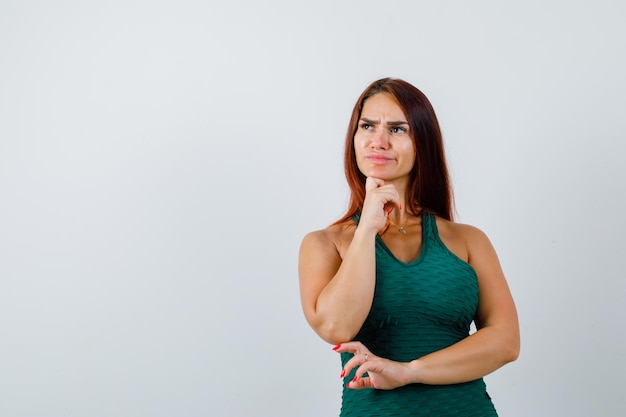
(511, 348)
(334, 333)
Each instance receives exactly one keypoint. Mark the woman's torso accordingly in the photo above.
(425, 299)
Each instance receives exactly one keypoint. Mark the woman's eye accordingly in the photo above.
(366, 126)
(397, 129)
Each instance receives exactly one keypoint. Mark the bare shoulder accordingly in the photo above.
(321, 254)
(463, 230)
(334, 238)
(465, 240)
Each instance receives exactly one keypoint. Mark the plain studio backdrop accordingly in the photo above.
(160, 162)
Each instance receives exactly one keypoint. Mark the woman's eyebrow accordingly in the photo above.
(399, 122)
(390, 123)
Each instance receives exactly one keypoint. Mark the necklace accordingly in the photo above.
(401, 228)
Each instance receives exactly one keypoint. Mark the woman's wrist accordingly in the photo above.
(415, 372)
(365, 232)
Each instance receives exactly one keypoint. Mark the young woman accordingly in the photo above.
(395, 283)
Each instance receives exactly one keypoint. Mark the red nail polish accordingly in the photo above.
(400, 206)
(389, 211)
(354, 379)
(336, 347)
(343, 373)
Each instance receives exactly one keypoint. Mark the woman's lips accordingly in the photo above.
(378, 158)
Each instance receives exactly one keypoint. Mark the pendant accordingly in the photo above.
(402, 230)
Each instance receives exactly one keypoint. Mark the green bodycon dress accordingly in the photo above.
(418, 308)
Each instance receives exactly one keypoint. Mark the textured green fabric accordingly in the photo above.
(419, 307)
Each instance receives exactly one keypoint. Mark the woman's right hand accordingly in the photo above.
(337, 268)
(380, 200)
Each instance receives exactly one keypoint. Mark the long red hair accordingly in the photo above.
(429, 182)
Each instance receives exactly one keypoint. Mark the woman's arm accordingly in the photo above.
(337, 291)
(495, 343)
(337, 294)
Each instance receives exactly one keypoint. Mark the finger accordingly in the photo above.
(359, 351)
(359, 383)
(360, 355)
(372, 183)
(389, 195)
(358, 361)
(352, 347)
(385, 198)
(368, 367)
(349, 366)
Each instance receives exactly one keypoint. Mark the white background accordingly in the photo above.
(160, 162)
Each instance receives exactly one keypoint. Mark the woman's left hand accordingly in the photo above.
(382, 373)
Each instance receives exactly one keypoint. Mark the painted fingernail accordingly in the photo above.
(389, 211)
(400, 206)
(354, 379)
(336, 347)
(343, 373)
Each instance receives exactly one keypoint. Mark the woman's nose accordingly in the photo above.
(380, 140)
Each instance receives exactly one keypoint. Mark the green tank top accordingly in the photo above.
(418, 308)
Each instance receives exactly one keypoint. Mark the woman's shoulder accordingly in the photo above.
(335, 236)
(463, 239)
(459, 230)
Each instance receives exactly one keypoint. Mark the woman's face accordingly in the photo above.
(382, 143)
